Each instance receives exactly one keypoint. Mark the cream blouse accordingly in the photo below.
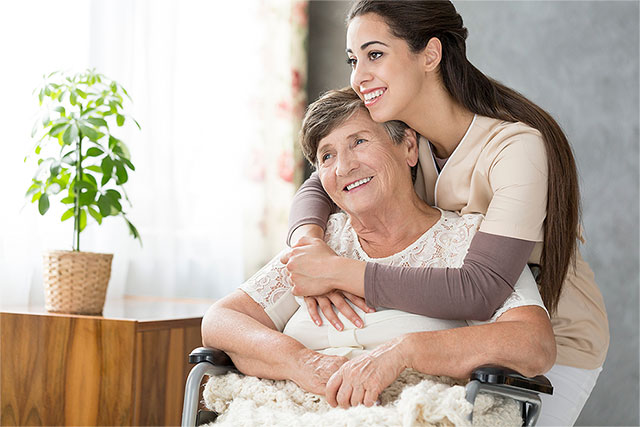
(445, 244)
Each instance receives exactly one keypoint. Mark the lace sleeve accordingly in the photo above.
(270, 288)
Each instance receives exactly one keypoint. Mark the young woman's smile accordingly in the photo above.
(385, 74)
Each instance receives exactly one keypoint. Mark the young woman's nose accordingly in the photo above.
(359, 75)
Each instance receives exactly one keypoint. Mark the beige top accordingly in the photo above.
(499, 169)
(445, 244)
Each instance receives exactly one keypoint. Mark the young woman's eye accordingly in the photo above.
(374, 55)
(352, 62)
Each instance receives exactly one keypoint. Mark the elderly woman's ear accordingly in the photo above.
(411, 143)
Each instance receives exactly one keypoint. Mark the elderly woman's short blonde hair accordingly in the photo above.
(331, 110)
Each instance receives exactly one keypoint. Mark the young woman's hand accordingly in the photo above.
(337, 299)
(315, 269)
(312, 370)
(362, 379)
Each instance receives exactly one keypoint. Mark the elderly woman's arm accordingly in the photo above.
(239, 326)
(521, 339)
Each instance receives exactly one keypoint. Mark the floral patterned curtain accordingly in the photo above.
(274, 167)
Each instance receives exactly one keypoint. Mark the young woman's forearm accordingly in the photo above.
(474, 291)
(527, 346)
(311, 205)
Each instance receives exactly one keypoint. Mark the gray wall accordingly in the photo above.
(579, 61)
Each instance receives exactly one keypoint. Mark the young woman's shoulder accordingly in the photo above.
(502, 138)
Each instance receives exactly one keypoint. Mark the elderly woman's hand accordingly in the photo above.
(362, 379)
(314, 369)
(315, 269)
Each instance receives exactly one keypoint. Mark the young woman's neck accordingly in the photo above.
(435, 115)
(391, 228)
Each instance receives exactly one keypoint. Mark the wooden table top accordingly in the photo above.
(133, 308)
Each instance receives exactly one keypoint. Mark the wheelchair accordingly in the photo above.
(484, 379)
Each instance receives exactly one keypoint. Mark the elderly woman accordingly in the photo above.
(367, 168)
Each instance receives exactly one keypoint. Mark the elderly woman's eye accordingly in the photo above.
(374, 55)
(326, 157)
(359, 141)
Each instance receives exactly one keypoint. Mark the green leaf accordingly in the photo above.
(89, 132)
(107, 169)
(121, 174)
(68, 200)
(34, 187)
(43, 204)
(90, 179)
(104, 204)
(60, 109)
(38, 149)
(87, 198)
(120, 119)
(133, 230)
(59, 128)
(70, 135)
(83, 219)
(82, 93)
(54, 168)
(72, 98)
(94, 168)
(97, 121)
(128, 163)
(95, 214)
(68, 214)
(94, 151)
(136, 122)
(114, 194)
(36, 196)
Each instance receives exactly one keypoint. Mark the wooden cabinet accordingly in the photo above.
(126, 367)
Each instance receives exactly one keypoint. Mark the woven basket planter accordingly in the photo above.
(76, 282)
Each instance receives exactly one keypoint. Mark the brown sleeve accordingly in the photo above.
(311, 205)
(475, 291)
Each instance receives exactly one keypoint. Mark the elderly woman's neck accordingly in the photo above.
(391, 229)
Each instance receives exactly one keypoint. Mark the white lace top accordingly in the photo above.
(445, 244)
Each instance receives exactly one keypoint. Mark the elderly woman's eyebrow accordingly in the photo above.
(363, 46)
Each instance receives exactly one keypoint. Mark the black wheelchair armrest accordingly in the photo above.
(212, 355)
(507, 382)
(493, 374)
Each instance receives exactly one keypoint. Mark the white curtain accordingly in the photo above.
(211, 84)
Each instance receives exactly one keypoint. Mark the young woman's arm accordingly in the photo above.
(474, 291)
(239, 326)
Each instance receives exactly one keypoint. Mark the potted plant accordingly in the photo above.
(83, 164)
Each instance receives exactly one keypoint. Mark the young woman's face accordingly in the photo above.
(384, 72)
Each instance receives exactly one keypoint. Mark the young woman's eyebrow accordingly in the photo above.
(367, 44)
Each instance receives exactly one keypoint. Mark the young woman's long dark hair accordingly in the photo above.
(417, 22)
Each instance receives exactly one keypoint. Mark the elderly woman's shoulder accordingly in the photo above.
(456, 220)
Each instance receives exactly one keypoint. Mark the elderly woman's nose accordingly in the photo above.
(345, 164)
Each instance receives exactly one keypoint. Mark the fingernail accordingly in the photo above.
(358, 323)
(338, 326)
(318, 322)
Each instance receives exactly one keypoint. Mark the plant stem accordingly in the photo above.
(76, 211)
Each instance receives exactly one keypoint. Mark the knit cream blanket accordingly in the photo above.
(414, 399)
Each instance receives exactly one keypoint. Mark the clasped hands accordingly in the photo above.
(352, 382)
(326, 280)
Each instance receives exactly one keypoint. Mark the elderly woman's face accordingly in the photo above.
(360, 167)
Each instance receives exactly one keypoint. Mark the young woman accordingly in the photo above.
(485, 149)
